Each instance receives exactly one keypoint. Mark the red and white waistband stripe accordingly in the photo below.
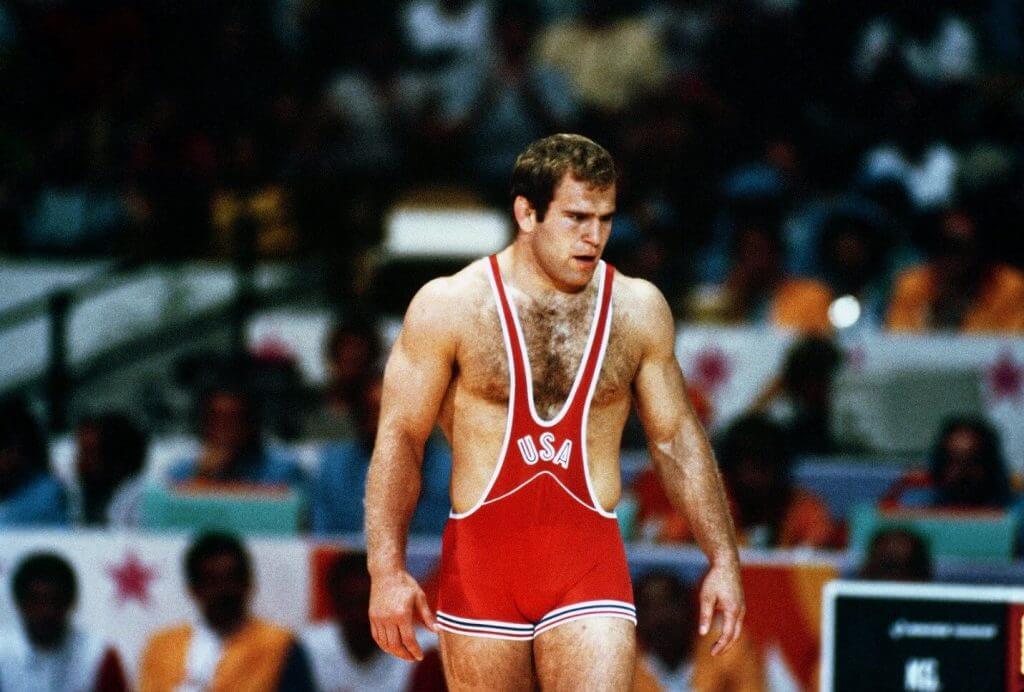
(497, 629)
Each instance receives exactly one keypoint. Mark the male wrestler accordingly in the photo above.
(530, 361)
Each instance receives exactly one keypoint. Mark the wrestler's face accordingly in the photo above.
(569, 241)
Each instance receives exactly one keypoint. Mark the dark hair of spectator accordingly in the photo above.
(753, 436)
(839, 224)
(249, 407)
(679, 591)
(47, 567)
(812, 358)
(990, 456)
(541, 167)
(346, 566)
(359, 327)
(214, 544)
(917, 566)
(20, 431)
(122, 443)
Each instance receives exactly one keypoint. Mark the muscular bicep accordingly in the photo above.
(658, 387)
(419, 368)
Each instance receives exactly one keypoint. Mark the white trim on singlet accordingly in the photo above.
(583, 361)
(511, 402)
(534, 477)
(586, 415)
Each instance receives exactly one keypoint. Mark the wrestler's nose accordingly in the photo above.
(592, 232)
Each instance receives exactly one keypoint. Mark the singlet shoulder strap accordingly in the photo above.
(513, 346)
(595, 355)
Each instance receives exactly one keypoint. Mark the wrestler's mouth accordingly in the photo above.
(586, 260)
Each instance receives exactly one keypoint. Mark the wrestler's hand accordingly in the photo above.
(396, 603)
(721, 593)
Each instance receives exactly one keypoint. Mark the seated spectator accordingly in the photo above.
(966, 471)
(232, 450)
(852, 256)
(963, 287)
(800, 399)
(611, 58)
(47, 652)
(229, 649)
(111, 455)
(337, 502)
(248, 212)
(29, 493)
(353, 349)
(672, 656)
(519, 102)
(342, 651)
(756, 291)
(768, 510)
(897, 555)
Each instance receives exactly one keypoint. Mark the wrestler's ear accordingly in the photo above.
(526, 215)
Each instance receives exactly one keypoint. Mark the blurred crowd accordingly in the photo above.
(813, 165)
(239, 449)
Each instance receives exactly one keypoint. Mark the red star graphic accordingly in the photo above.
(1006, 377)
(711, 368)
(131, 579)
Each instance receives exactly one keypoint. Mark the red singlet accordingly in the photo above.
(537, 550)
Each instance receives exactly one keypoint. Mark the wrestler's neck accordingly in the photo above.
(521, 268)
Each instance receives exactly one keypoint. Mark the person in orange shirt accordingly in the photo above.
(229, 649)
(757, 290)
(768, 510)
(672, 656)
(963, 287)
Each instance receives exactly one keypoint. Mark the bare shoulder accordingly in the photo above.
(442, 304)
(644, 310)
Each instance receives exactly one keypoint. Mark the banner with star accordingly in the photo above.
(733, 365)
(131, 585)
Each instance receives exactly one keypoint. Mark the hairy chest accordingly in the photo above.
(556, 336)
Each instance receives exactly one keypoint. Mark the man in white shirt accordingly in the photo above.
(342, 652)
(47, 653)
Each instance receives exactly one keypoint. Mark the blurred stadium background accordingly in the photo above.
(212, 215)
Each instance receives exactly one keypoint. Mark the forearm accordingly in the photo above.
(690, 476)
(392, 490)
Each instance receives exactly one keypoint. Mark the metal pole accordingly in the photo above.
(59, 379)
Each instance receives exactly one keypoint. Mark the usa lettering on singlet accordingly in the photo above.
(537, 549)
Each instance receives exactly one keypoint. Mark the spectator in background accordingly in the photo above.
(353, 349)
(232, 447)
(338, 491)
(229, 649)
(47, 652)
(672, 656)
(342, 651)
(110, 458)
(927, 40)
(966, 470)
(30, 495)
(897, 555)
(967, 467)
(852, 257)
(800, 399)
(756, 290)
(519, 102)
(963, 287)
(768, 510)
(610, 58)
(249, 213)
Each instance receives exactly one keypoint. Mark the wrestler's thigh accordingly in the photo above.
(588, 654)
(480, 663)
